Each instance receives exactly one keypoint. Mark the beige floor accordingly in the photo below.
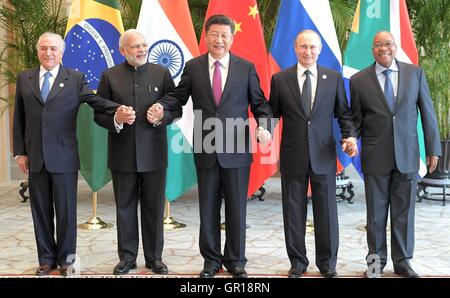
(265, 240)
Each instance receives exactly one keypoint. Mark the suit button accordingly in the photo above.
(393, 117)
(135, 85)
(309, 122)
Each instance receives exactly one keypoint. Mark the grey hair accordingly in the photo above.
(124, 37)
(59, 39)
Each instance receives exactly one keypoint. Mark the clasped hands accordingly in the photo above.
(156, 113)
(350, 146)
(125, 114)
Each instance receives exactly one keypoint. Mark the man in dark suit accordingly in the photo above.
(137, 154)
(307, 96)
(385, 99)
(46, 148)
(222, 87)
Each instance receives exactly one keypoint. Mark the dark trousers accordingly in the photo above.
(294, 190)
(149, 187)
(395, 191)
(50, 194)
(234, 185)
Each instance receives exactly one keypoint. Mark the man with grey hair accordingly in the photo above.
(45, 147)
(137, 154)
(307, 96)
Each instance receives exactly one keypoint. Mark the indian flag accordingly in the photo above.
(370, 18)
(167, 27)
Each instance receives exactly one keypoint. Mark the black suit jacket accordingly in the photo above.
(390, 139)
(232, 147)
(140, 147)
(310, 139)
(46, 132)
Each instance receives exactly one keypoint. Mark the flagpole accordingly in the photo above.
(94, 223)
(169, 222)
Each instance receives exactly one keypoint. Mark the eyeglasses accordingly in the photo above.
(137, 45)
(379, 45)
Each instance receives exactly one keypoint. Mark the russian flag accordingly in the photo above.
(293, 17)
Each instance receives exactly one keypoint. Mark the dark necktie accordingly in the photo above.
(306, 92)
(217, 82)
(389, 90)
(45, 90)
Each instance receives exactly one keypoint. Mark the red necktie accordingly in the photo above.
(217, 82)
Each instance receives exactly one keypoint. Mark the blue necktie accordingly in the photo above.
(389, 90)
(45, 90)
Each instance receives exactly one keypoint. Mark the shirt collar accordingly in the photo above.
(379, 68)
(224, 61)
(301, 69)
(54, 71)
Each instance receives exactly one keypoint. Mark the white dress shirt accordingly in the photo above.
(382, 78)
(301, 77)
(52, 78)
(224, 67)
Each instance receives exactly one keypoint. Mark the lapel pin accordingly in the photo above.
(156, 89)
(324, 76)
(61, 85)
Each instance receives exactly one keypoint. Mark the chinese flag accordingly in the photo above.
(249, 44)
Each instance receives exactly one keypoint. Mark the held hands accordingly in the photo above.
(349, 146)
(125, 114)
(155, 113)
(22, 161)
(432, 163)
(263, 136)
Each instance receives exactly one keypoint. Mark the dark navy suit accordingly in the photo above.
(46, 133)
(308, 152)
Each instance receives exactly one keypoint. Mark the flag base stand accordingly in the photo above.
(309, 226)
(169, 222)
(94, 223)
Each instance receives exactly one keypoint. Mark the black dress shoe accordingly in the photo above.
(208, 272)
(295, 272)
(157, 267)
(124, 267)
(238, 272)
(405, 271)
(329, 273)
(45, 269)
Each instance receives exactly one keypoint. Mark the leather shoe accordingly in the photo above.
(208, 272)
(66, 270)
(157, 267)
(329, 273)
(45, 269)
(238, 272)
(295, 272)
(124, 267)
(405, 271)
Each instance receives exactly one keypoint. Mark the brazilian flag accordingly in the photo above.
(92, 45)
